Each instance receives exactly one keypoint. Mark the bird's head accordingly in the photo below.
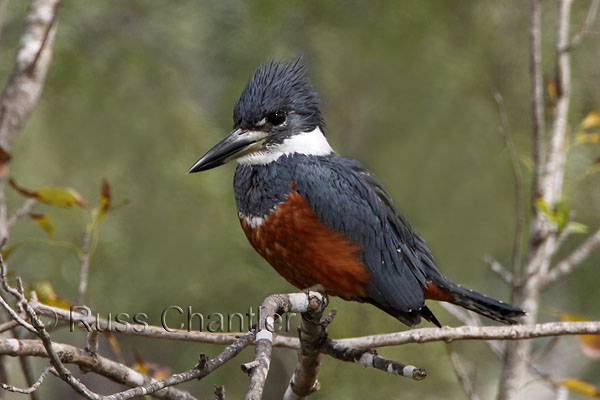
(278, 113)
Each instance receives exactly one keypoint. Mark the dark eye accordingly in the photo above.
(276, 118)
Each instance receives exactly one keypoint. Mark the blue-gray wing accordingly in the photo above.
(348, 198)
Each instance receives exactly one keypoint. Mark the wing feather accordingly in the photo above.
(348, 198)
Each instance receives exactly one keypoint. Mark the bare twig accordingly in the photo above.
(566, 266)
(28, 371)
(22, 211)
(537, 93)
(85, 266)
(463, 378)
(8, 325)
(565, 232)
(40, 330)
(86, 319)
(369, 358)
(448, 334)
(32, 388)
(92, 343)
(421, 335)
(219, 392)
(471, 319)
(585, 28)
(103, 366)
(198, 372)
(499, 270)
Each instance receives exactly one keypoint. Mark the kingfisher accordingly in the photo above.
(323, 220)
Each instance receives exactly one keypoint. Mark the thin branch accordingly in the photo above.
(513, 332)
(92, 343)
(30, 390)
(369, 358)
(568, 265)
(471, 319)
(8, 325)
(201, 370)
(99, 365)
(448, 334)
(86, 319)
(463, 378)
(565, 232)
(28, 371)
(497, 268)
(85, 266)
(15, 316)
(21, 211)
(219, 392)
(583, 32)
(537, 93)
(42, 333)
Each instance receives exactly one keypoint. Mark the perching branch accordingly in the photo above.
(311, 333)
(421, 335)
(273, 306)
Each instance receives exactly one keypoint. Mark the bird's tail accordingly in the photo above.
(477, 302)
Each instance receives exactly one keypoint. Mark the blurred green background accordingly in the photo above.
(138, 90)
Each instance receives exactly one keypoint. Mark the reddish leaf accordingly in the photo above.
(4, 156)
(103, 202)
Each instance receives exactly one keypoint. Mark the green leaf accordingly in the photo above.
(45, 222)
(576, 227)
(60, 197)
(53, 195)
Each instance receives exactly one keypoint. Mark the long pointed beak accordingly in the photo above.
(238, 143)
